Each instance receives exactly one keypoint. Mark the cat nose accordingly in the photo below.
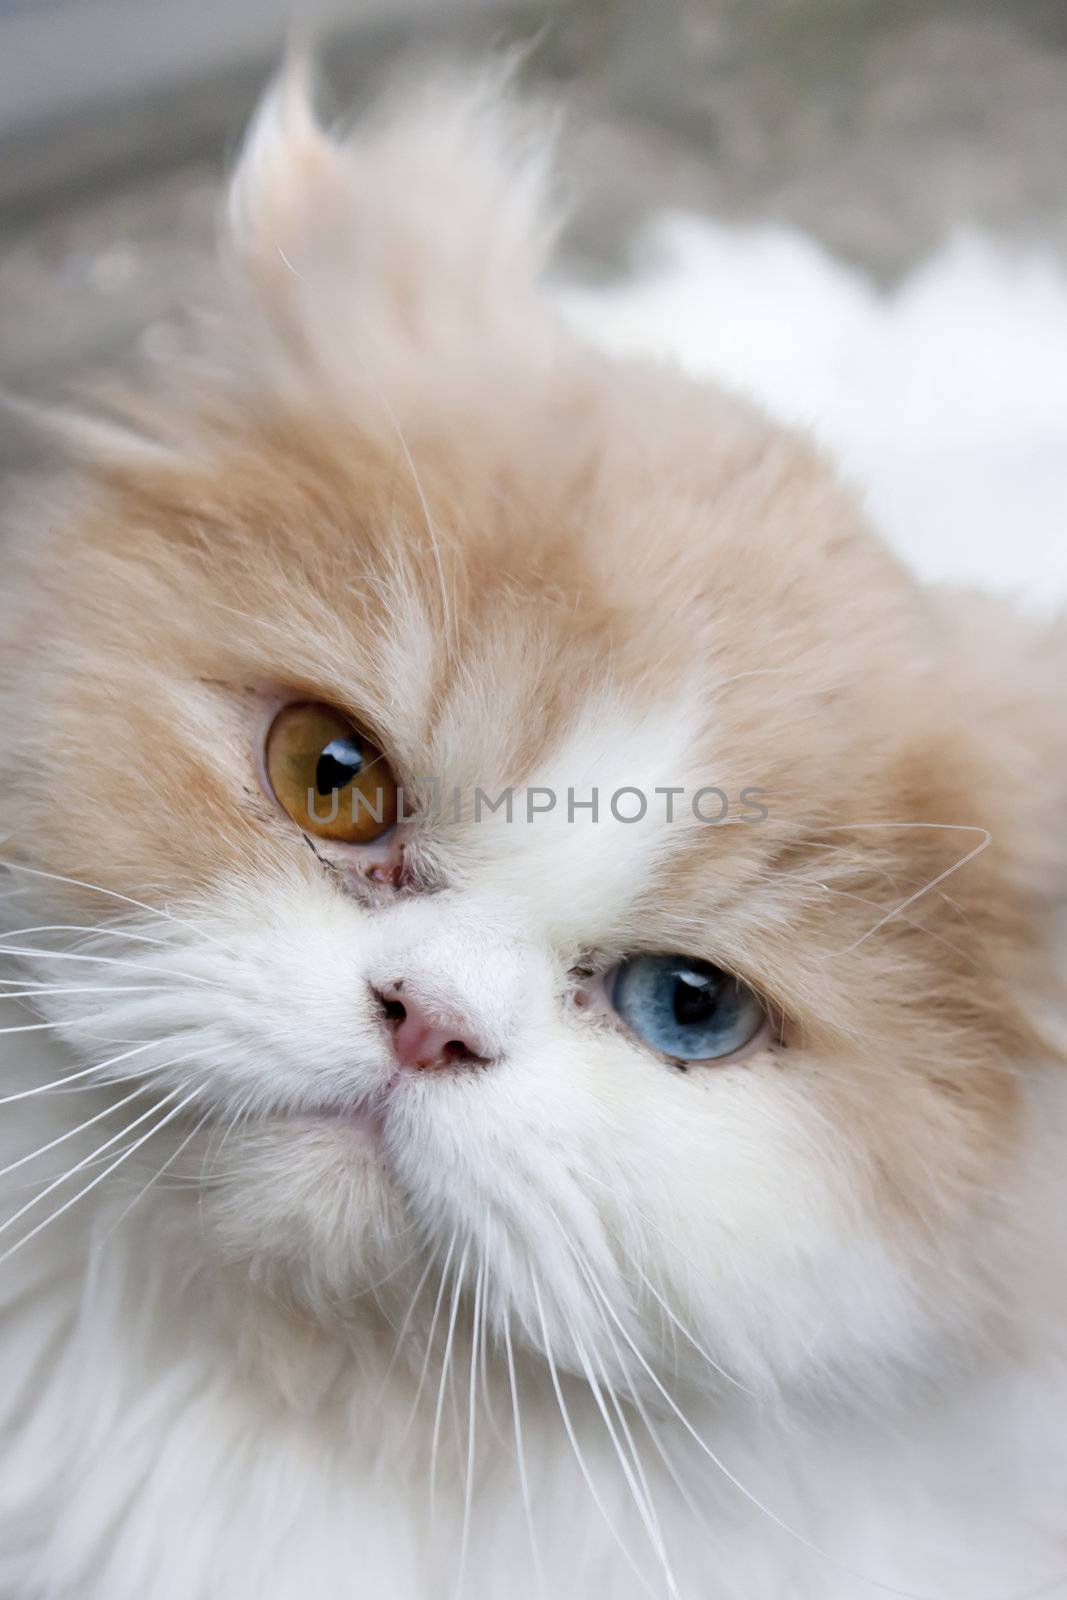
(423, 1041)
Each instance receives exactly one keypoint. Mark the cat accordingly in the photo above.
(446, 1149)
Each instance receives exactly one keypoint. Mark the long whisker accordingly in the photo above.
(103, 961)
(44, 991)
(171, 1159)
(98, 1155)
(949, 827)
(409, 1313)
(66, 1176)
(483, 1360)
(520, 1457)
(472, 1412)
(43, 1027)
(71, 1077)
(662, 1232)
(124, 1156)
(446, 1362)
(637, 1486)
(102, 930)
(897, 916)
(110, 894)
(684, 1331)
(430, 1336)
(642, 1412)
(635, 1456)
(72, 1133)
(742, 1489)
(576, 1448)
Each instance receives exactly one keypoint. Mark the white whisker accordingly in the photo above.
(642, 1411)
(71, 1077)
(663, 1234)
(472, 1412)
(949, 827)
(44, 1027)
(44, 991)
(409, 1313)
(432, 1332)
(104, 961)
(124, 1156)
(110, 894)
(72, 1133)
(576, 1448)
(101, 930)
(742, 1489)
(446, 1362)
(171, 1159)
(520, 1458)
(684, 1331)
(66, 1176)
(637, 1485)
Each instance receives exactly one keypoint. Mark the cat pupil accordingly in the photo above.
(337, 765)
(695, 998)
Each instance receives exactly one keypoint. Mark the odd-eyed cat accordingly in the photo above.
(420, 1177)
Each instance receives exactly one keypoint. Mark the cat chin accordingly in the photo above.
(311, 1210)
(306, 1201)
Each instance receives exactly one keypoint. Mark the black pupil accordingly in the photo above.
(338, 764)
(696, 997)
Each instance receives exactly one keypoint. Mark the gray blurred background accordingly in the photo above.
(877, 126)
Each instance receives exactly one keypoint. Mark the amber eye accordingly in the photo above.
(333, 780)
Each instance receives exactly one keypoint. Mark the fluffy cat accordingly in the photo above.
(443, 1195)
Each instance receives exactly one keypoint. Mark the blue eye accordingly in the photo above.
(688, 1010)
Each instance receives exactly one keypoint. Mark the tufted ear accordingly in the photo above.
(433, 215)
(290, 190)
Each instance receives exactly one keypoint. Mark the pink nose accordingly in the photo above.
(422, 1043)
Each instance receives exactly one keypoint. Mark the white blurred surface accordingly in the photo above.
(944, 400)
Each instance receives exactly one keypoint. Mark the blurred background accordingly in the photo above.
(872, 130)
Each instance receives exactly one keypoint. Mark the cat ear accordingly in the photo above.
(433, 214)
(290, 189)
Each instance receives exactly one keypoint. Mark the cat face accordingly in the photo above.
(715, 1089)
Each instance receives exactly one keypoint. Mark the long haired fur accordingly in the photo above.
(575, 1323)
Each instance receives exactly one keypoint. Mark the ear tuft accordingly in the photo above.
(434, 216)
(289, 179)
(467, 163)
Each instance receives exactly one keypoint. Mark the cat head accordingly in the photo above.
(534, 837)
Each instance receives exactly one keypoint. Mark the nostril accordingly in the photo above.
(417, 1037)
(456, 1050)
(386, 999)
